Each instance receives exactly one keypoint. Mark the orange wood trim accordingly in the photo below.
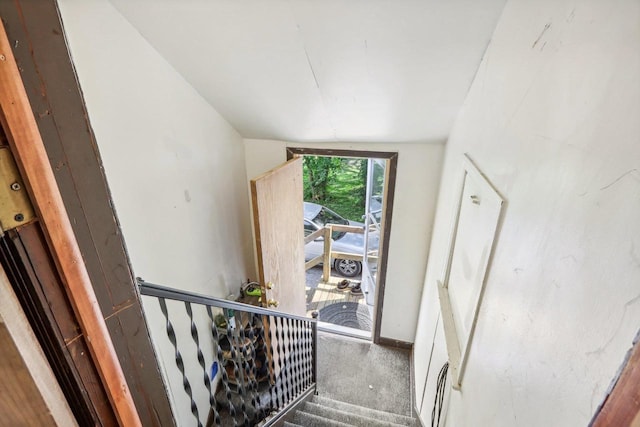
(622, 407)
(27, 146)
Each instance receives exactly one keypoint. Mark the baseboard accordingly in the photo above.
(395, 343)
(412, 382)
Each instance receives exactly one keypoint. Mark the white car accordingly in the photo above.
(315, 218)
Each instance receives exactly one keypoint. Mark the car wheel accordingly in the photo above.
(347, 267)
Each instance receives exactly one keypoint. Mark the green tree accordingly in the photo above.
(318, 173)
(338, 183)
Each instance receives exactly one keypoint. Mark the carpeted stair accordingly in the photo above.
(321, 411)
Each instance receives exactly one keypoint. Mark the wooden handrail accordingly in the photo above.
(28, 149)
(347, 228)
(314, 235)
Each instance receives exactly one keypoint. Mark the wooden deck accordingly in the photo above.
(324, 294)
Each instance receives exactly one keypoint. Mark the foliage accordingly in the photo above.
(338, 183)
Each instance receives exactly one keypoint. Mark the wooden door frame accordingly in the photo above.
(27, 369)
(26, 144)
(390, 186)
(38, 44)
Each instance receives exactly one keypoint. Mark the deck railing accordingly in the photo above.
(329, 254)
(251, 363)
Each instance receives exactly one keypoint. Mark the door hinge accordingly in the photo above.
(15, 206)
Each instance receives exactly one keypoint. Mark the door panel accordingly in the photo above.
(278, 217)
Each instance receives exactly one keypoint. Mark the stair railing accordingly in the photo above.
(239, 364)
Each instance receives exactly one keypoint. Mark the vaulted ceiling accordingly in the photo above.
(324, 70)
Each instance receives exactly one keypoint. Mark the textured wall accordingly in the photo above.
(552, 120)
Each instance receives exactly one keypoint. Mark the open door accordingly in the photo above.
(278, 219)
(376, 177)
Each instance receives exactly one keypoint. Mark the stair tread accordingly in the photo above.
(290, 424)
(346, 417)
(363, 411)
(312, 420)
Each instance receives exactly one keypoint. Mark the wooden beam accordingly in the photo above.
(27, 146)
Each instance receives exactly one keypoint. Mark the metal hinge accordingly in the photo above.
(15, 206)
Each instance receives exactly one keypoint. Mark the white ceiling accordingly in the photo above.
(324, 70)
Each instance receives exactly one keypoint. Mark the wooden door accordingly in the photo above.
(278, 221)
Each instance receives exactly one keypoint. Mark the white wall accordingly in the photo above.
(418, 175)
(175, 167)
(552, 120)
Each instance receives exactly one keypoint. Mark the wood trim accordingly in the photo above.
(389, 342)
(54, 408)
(621, 407)
(392, 169)
(296, 152)
(28, 148)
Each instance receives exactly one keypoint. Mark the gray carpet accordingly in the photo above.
(361, 373)
(349, 314)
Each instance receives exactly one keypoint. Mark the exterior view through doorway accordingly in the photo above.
(346, 273)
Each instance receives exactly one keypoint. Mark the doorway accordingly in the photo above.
(349, 289)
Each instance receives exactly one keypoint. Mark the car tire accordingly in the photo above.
(347, 268)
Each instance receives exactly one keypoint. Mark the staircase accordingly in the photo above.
(321, 411)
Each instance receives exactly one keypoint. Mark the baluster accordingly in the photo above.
(307, 354)
(296, 357)
(314, 352)
(263, 355)
(310, 352)
(286, 358)
(196, 340)
(303, 353)
(273, 381)
(291, 360)
(298, 345)
(236, 360)
(179, 362)
(300, 350)
(221, 367)
(282, 361)
(213, 404)
(253, 374)
(246, 360)
(296, 351)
